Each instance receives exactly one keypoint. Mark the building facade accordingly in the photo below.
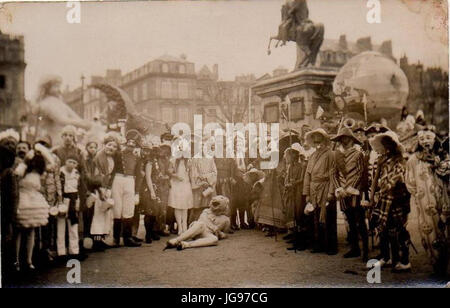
(428, 91)
(163, 89)
(335, 53)
(168, 90)
(12, 69)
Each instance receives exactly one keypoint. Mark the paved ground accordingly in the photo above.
(246, 259)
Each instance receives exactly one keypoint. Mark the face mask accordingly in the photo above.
(427, 139)
(21, 154)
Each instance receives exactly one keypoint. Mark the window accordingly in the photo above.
(183, 90)
(182, 69)
(2, 82)
(199, 93)
(135, 94)
(167, 114)
(211, 115)
(253, 114)
(165, 68)
(144, 91)
(151, 89)
(166, 89)
(183, 114)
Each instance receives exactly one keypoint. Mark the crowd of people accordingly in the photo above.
(62, 199)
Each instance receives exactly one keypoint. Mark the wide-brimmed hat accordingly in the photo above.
(376, 144)
(376, 128)
(345, 132)
(319, 131)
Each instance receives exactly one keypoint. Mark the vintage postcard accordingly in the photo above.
(224, 144)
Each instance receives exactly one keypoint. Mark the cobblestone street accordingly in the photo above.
(246, 259)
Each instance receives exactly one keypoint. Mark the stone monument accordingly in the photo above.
(307, 87)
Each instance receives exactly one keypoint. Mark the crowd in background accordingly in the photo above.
(62, 199)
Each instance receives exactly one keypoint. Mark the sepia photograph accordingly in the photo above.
(242, 145)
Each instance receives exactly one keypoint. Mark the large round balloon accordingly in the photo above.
(374, 80)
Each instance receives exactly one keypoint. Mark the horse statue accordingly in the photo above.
(297, 27)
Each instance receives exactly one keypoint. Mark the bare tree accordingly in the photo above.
(232, 100)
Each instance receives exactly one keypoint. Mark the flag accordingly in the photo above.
(285, 106)
(364, 101)
(319, 112)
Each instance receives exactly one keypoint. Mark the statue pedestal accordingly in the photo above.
(307, 89)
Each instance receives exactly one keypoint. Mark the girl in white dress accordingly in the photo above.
(180, 194)
(33, 209)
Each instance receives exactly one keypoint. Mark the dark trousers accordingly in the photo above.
(135, 222)
(356, 218)
(149, 223)
(243, 207)
(325, 234)
(48, 234)
(170, 218)
(88, 214)
(394, 243)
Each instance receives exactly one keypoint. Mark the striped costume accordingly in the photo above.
(349, 175)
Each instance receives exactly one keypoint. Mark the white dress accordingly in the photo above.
(33, 209)
(180, 193)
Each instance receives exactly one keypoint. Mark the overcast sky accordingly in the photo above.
(233, 34)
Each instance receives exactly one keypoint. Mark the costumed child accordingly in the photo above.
(52, 191)
(33, 209)
(426, 176)
(68, 212)
(208, 229)
(101, 204)
(164, 154)
(127, 176)
(149, 195)
(92, 177)
(180, 194)
(390, 214)
(9, 194)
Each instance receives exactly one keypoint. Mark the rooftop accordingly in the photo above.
(169, 58)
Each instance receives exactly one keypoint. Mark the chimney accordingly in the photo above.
(386, 48)
(343, 42)
(183, 57)
(404, 62)
(364, 44)
(216, 71)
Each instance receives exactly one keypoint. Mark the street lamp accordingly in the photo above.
(82, 96)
